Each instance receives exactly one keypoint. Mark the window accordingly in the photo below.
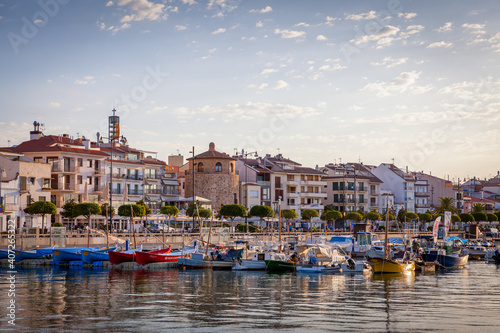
(41, 199)
(46, 183)
(79, 180)
(231, 167)
(218, 167)
(201, 168)
(350, 186)
(89, 180)
(361, 186)
(38, 159)
(31, 180)
(254, 194)
(335, 186)
(266, 193)
(80, 162)
(89, 163)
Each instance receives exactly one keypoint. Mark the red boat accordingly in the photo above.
(144, 258)
(116, 257)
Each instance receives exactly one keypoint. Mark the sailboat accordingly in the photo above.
(384, 264)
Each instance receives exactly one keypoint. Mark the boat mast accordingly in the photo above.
(279, 221)
(386, 229)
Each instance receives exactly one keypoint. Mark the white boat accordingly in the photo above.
(257, 263)
(475, 252)
(319, 258)
(310, 268)
(352, 266)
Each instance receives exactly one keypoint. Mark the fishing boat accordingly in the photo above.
(100, 255)
(257, 263)
(144, 258)
(33, 254)
(383, 264)
(214, 260)
(319, 258)
(70, 254)
(355, 266)
(4, 254)
(117, 257)
(280, 266)
(444, 260)
(475, 252)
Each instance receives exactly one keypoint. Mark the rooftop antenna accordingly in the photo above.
(8, 143)
(392, 160)
(278, 150)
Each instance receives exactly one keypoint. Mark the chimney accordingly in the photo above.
(35, 134)
(86, 143)
(211, 146)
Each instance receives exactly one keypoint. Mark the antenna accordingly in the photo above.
(392, 160)
(278, 150)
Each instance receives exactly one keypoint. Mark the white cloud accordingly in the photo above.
(401, 83)
(384, 36)
(188, 2)
(389, 62)
(321, 38)
(247, 111)
(440, 44)
(363, 16)
(259, 24)
(223, 7)
(473, 26)
(331, 68)
(109, 3)
(414, 29)
(49, 81)
(289, 33)
(180, 27)
(55, 104)
(142, 10)
(281, 85)
(447, 27)
(265, 10)
(87, 79)
(301, 24)
(218, 31)
(268, 71)
(260, 87)
(407, 15)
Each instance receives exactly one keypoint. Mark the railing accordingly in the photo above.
(133, 192)
(152, 191)
(422, 194)
(117, 191)
(133, 177)
(146, 176)
(98, 188)
(175, 192)
(264, 183)
(57, 167)
(99, 171)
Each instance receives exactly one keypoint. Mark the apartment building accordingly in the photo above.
(22, 183)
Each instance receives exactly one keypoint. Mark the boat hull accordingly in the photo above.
(200, 264)
(25, 255)
(119, 257)
(446, 261)
(144, 258)
(279, 266)
(71, 254)
(318, 268)
(250, 265)
(390, 266)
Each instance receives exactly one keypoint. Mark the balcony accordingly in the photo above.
(153, 191)
(264, 183)
(98, 188)
(293, 194)
(314, 194)
(99, 171)
(117, 191)
(134, 177)
(422, 194)
(65, 187)
(135, 192)
(313, 182)
(146, 176)
(423, 206)
(278, 185)
(170, 192)
(11, 207)
(293, 182)
(60, 168)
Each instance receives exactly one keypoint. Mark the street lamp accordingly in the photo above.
(193, 188)
(245, 154)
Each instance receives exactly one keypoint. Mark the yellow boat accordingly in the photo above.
(380, 265)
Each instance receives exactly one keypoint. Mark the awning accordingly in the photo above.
(196, 198)
(170, 182)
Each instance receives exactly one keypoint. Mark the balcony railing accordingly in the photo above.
(58, 167)
(134, 177)
(152, 191)
(135, 192)
(146, 176)
(264, 183)
(173, 192)
(422, 194)
(117, 191)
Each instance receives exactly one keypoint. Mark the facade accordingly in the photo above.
(436, 187)
(399, 183)
(215, 177)
(22, 183)
(351, 187)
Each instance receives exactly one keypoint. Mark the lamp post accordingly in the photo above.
(245, 154)
(193, 188)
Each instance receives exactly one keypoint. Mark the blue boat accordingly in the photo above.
(4, 254)
(70, 254)
(445, 260)
(101, 255)
(46, 251)
(34, 254)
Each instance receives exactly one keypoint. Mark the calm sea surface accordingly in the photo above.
(92, 300)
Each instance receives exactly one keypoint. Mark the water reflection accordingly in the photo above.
(53, 299)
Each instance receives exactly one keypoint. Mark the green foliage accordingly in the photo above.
(41, 208)
(411, 216)
(232, 211)
(57, 224)
(492, 217)
(446, 204)
(373, 216)
(498, 215)
(308, 214)
(67, 211)
(332, 215)
(191, 208)
(106, 207)
(288, 214)
(353, 216)
(251, 228)
(203, 212)
(124, 210)
(169, 210)
(392, 217)
(361, 212)
(479, 216)
(455, 218)
(86, 209)
(261, 211)
(425, 217)
(429, 228)
(145, 210)
(401, 214)
(465, 217)
(329, 207)
(478, 208)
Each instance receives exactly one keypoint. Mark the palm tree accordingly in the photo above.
(477, 208)
(446, 204)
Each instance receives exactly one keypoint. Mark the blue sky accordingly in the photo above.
(318, 81)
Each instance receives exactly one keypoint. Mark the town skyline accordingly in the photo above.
(369, 82)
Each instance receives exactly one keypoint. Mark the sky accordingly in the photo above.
(416, 83)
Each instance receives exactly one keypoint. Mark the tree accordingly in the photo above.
(169, 211)
(41, 208)
(329, 207)
(401, 214)
(308, 214)
(261, 211)
(498, 215)
(492, 217)
(446, 204)
(106, 209)
(203, 212)
(477, 208)
(478, 216)
(86, 209)
(288, 214)
(232, 211)
(465, 217)
(330, 215)
(67, 211)
(411, 216)
(146, 209)
(126, 210)
(425, 217)
(372, 216)
(455, 218)
(353, 216)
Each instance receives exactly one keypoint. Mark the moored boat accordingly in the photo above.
(381, 265)
(70, 254)
(33, 254)
(257, 263)
(445, 260)
(280, 266)
(117, 257)
(355, 266)
(101, 255)
(144, 258)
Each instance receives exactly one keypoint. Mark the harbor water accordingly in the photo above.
(51, 299)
